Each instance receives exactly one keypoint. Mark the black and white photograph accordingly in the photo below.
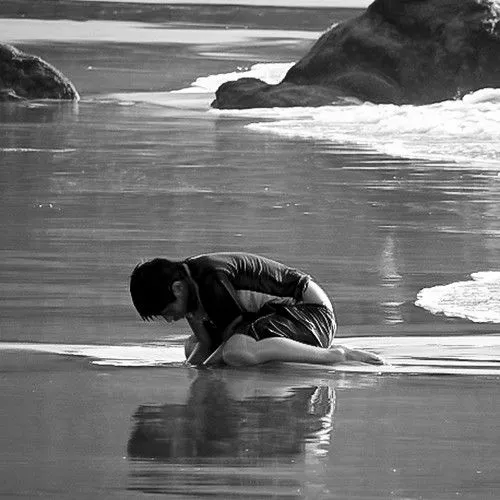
(250, 249)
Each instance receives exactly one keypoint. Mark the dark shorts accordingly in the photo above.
(310, 324)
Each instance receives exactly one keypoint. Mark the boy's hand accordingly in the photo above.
(215, 358)
(196, 352)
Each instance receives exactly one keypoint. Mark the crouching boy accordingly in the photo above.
(243, 309)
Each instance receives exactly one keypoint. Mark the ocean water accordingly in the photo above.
(89, 189)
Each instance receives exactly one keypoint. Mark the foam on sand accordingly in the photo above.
(477, 299)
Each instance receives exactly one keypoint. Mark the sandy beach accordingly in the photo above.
(74, 432)
(88, 190)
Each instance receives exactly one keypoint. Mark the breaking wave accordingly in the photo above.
(463, 131)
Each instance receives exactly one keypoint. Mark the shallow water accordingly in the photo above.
(88, 190)
(271, 432)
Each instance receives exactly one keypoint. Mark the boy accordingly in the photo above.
(243, 309)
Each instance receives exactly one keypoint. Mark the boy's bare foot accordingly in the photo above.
(361, 356)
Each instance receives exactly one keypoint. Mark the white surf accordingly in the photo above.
(477, 299)
(461, 132)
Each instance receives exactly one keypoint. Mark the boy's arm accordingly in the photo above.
(199, 348)
(225, 311)
(221, 301)
(197, 352)
(216, 357)
(314, 294)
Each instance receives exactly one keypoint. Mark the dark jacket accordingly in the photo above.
(241, 284)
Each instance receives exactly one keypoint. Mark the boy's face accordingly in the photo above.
(177, 309)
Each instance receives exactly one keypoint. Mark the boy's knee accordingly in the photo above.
(236, 352)
(237, 358)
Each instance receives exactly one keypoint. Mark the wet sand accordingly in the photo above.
(87, 191)
(73, 432)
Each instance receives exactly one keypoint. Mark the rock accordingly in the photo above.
(397, 51)
(24, 76)
(254, 93)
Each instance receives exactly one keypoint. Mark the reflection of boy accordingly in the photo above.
(243, 309)
(213, 423)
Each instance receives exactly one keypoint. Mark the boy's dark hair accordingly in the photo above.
(151, 286)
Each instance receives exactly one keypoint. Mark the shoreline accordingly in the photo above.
(136, 33)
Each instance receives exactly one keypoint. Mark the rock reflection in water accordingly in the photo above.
(220, 443)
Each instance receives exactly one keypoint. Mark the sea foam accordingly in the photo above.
(269, 73)
(464, 131)
(477, 299)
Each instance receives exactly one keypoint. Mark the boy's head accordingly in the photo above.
(159, 288)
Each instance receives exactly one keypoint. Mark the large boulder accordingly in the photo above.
(24, 76)
(397, 51)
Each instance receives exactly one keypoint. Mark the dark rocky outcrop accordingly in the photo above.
(397, 51)
(24, 76)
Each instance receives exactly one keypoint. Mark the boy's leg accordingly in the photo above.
(242, 350)
(310, 324)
